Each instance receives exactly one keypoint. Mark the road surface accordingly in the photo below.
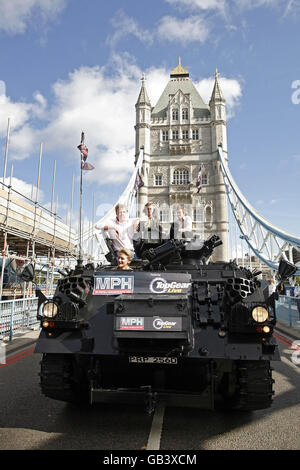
(30, 421)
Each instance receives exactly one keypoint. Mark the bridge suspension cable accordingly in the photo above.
(268, 242)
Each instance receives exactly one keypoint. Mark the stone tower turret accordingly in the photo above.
(217, 106)
(142, 140)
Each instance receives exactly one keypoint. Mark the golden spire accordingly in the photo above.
(179, 70)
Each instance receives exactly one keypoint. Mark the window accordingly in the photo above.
(165, 136)
(175, 135)
(195, 134)
(185, 134)
(204, 179)
(185, 113)
(175, 114)
(158, 180)
(181, 176)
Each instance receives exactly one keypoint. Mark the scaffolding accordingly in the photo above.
(30, 232)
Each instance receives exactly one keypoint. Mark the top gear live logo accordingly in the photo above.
(161, 286)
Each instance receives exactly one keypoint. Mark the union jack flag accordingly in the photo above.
(84, 154)
(84, 151)
(87, 166)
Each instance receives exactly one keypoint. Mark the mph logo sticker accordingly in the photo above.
(113, 285)
(131, 323)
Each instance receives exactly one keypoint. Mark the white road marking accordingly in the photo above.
(291, 364)
(156, 428)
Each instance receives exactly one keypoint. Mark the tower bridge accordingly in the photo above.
(178, 139)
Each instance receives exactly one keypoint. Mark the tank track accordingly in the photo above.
(59, 379)
(255, 385)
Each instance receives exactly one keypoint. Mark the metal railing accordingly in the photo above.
(17, 316)
(287, 310)
(20, 315)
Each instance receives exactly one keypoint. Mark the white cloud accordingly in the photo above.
(292, 8)
(155, 78)
(92, 99)
(170, 28)
(17, 14)
(22, 134)
(287, 8)
(231, 89)
(2, 87)
(227, 9)
(124, 26)
(251, 4)
(193, 28)
(24, 188)
(101, 102)
(199, 4)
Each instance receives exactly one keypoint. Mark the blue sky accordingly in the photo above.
(73, 65)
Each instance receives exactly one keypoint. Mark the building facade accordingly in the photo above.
(180, 136)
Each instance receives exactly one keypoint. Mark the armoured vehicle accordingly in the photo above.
(176, 327)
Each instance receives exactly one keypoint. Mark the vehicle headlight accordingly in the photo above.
(260, 314)
(50, 309)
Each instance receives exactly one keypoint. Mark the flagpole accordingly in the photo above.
(80, 260)
(53, 183)
(83, 166)
(39, 172)
(80, 216)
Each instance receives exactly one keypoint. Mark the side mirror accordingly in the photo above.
(27, 274)
(286, 269)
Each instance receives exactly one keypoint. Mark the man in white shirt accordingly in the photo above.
(149, 227)
(182, 227)
(122, 229)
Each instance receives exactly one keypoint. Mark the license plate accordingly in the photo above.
(152, 360)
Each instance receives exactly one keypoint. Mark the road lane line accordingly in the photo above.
(283, 339)
(17, 357)
(287, 341)
(21, 352)
(289, 363)
(156, 428)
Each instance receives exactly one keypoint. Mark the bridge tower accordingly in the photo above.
(179, 135)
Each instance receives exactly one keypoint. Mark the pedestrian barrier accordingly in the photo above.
(288, 310)
(18, 316)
